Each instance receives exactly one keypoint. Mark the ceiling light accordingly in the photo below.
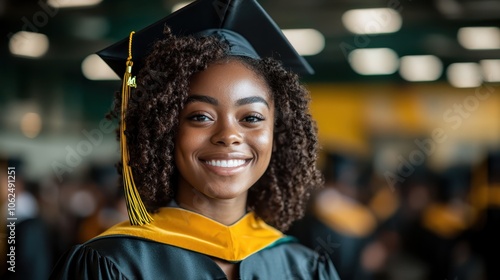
(305, 41)
(419, 68)
(372, 21)
(72, 3)
(94, 68)
(479, 38)
(464, 75)
(382, 61)
(491, 69)
(28, 44)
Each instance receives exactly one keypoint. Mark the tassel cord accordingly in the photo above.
(137, 212)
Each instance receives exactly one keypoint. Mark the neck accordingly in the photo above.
(224, 211)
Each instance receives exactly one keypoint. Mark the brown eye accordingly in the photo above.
(200, 118)
(253, 118)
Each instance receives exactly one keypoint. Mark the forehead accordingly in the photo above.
(229, 80)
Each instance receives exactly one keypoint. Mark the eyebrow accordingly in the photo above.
(251, 99)
(215, 102)
(202, 98)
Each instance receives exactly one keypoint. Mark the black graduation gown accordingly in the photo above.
(128, 257)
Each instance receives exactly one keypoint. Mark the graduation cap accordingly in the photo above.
(243, 24)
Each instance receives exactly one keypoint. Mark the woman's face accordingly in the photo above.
(225, 136)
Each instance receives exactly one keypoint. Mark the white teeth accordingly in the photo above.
(226, 163)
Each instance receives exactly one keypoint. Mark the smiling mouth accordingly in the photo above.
(226, 163)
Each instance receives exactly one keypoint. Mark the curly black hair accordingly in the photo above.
(279, 196)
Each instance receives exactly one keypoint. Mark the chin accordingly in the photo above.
(225, 193)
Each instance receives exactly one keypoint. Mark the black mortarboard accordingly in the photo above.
(244, 24)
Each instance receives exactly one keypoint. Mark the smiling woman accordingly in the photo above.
(222, 151)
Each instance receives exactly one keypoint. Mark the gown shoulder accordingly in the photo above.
(85, 262)
(289, 261)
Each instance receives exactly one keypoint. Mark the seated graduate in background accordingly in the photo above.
(218, 153)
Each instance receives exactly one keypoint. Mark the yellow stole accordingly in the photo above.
(185, 229)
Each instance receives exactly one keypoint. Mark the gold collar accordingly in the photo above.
(195, 232)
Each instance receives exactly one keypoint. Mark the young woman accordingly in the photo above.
(223, 151)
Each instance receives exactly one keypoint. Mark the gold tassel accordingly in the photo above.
(137, 213)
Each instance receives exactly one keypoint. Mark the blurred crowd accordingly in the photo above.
(54, 215)
(427, 225)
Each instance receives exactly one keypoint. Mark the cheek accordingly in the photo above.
(185, 142)
(263, 142)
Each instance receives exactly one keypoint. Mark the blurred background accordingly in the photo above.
(406, 96)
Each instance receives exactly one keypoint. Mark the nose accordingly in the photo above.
(227, 133)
